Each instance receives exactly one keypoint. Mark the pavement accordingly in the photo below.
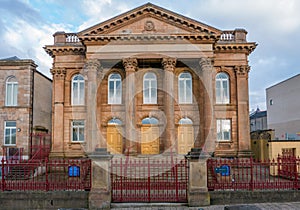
(254, 206)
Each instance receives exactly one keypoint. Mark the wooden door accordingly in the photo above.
(114, 139)
(185, 138)
(150, 140)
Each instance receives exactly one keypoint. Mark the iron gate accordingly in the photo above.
(160, 179)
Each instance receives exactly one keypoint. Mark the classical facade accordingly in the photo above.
(148, 82)
(25, 104)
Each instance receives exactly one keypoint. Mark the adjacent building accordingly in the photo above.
(258, 120)
(283, 108)
(25, 104)
(148, 82)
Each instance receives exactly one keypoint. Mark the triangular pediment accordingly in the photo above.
(149, 19)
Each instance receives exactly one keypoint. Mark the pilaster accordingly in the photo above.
(169, 65)
(241, 73)
(130, 65)
(59, 75)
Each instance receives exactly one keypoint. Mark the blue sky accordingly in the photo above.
(28, 25)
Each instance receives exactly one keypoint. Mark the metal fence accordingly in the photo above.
(248, 174)
(163, 179)
(50, 175)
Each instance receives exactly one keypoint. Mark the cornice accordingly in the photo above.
(247, 48)
(64, 50)
(150, 37)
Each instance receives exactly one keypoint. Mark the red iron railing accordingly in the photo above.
(162, 179)
(50, 175)
(40, 146)
(248, 174)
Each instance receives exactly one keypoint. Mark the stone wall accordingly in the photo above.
(246, 197)
(44, 200)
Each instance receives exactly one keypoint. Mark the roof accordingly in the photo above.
(279, 83)
(13, 58)
(258, 114)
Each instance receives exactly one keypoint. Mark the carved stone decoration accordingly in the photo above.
(58, 73)
(93, 65)
(130, 64)
(206, 63)
(169, 63)
(242, 70)
(149, 26)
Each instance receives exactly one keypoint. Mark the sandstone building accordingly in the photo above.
(25, 105)
(150, 81)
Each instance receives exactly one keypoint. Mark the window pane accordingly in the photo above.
(13, 136)
(74, 135)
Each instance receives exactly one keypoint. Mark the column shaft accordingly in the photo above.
(130, 65)
(169, 67)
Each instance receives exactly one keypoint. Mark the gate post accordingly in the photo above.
(197, 193)
(100, 194)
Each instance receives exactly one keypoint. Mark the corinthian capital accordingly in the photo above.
(242, 70)
(206, 63)
(58, 72)
(130, 64)
(92, 65)
(169, 63)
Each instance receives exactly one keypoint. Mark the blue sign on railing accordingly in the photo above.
(74, 171)
(224, 170)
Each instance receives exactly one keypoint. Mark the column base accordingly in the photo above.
(99, 199)
(245, 154)
(198, 198)
(55, 154)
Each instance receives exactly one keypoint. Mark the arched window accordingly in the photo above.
(11, 95)
(78, 90)
(222, 88)
(185, 121)
(114, 89)
(150, 88)
(114, 121)
(150, 121)
(185, 91)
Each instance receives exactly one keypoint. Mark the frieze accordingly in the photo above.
(169, 64)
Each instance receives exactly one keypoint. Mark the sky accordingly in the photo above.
(26, 26)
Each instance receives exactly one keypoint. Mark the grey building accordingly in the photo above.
(283, 101)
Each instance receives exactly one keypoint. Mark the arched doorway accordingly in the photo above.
(114, 137)
(149, 136)
(185, 135)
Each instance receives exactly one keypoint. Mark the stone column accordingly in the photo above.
(241, 73)
(130, 65)
(197, 187)
(59, 75)
(100, 194)
(206, 65)
(169, 67)
(90, 69)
